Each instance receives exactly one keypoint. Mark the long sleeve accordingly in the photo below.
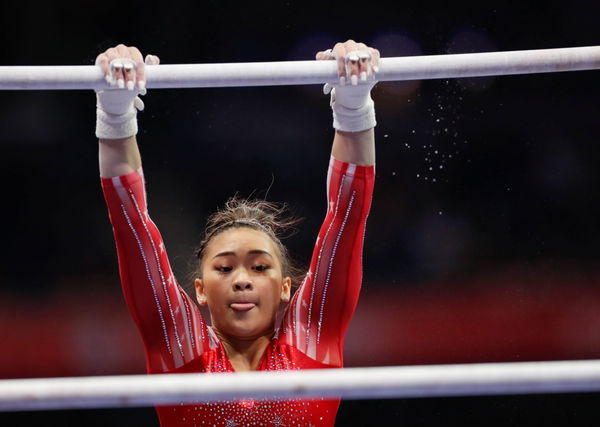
(320, 311)
(172, 328)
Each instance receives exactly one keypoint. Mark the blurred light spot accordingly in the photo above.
(392, 44)
(307, 48)
(560, 168)
(440, 243)
(472, 41)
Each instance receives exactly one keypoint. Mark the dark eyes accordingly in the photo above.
(227, 269)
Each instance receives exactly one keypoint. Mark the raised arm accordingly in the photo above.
(319, 313)
(173, 331)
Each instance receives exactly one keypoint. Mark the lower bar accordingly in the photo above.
(348, 383)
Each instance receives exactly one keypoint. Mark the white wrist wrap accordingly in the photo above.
(116, 112)
(116, 126)
(351, 119)
(352, 105)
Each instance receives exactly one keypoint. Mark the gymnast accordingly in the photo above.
(244, 275)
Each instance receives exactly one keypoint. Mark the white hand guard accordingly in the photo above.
(352, 105)
(116, 108)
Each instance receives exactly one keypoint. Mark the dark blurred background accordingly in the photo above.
(482, 243)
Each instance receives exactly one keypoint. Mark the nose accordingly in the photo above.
(242, 282)
(242, 286)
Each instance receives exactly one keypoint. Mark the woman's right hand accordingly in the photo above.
(117, 107)
(123, 66)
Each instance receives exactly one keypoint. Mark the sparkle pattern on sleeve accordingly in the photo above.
(160, 271)
(143, 255)
(320, 311)
(317, 269)
(164, 314)
(335, 246)
(189, 321)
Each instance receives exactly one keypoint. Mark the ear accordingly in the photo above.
(286, 289)
(200, 295)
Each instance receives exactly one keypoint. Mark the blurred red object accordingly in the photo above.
(500, 318)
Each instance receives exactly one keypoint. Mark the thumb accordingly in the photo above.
(152, 60)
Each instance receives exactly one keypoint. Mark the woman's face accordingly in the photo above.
(242, 283)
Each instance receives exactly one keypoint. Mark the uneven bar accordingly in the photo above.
(348, 383)
(309, 72)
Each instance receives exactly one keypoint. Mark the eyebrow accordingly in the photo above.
(252, 252)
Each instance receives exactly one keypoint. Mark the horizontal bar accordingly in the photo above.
(309, 72)
(348, 383)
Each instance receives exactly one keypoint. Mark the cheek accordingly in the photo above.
(274, 288)
(214, 285)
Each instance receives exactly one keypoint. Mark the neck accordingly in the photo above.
(245, 354)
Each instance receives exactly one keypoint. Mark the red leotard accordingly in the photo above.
(311, 335)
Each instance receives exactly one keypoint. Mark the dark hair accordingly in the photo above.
(268, 217)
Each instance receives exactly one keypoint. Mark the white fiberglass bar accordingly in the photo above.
(309, 72)
(350, 383)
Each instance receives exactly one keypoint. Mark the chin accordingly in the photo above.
(246, 330)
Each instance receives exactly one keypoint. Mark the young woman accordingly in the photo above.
(243, 268)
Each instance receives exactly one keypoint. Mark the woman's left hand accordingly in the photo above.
(356, 61)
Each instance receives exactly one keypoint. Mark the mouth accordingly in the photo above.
(242, 306)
